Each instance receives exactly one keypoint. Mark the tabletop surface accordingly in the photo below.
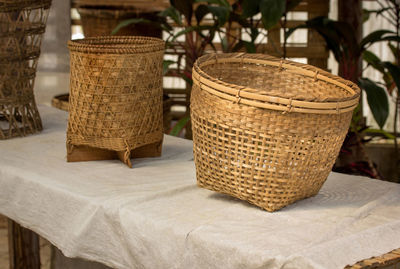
(154, 215)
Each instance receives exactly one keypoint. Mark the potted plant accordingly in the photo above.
(204, 20)
(348, 52)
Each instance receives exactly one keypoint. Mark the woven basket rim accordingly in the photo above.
(117, 44)
(253, 97)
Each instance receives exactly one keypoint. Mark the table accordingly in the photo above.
(154, 215)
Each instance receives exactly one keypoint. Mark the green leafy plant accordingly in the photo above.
(201, 21)
(340, 39)
(390, 71)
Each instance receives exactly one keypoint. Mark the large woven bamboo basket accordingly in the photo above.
(115, 100)
(22, 24)
(267, 130)
(101, 21)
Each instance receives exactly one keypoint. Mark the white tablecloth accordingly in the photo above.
(154, 215)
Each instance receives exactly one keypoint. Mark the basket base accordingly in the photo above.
(86, 153)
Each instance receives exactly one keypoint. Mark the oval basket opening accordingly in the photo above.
(117, 44)
(266, 75)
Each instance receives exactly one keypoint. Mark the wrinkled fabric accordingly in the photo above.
(154, 215)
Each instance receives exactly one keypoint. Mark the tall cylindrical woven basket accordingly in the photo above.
(22, 24)
(115, 94)
(267, 130)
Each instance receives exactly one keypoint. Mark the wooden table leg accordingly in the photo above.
(23, 245)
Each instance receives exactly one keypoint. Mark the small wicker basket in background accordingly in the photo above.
(267, 130)
(22, 24)
(144, 5)
(101, 21)
(115, 94)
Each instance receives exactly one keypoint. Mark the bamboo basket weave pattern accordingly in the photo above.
(267, 130)
(61, 102)
(22, 24)
(389, 260)
(116, 93)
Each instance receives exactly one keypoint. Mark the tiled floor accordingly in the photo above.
(4, 264)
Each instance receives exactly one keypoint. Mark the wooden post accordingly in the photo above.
(23, 247)
(319, 8)
(351, 12)
(274, 46)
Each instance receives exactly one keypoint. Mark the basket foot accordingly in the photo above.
(150, 150)
(86, 153)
